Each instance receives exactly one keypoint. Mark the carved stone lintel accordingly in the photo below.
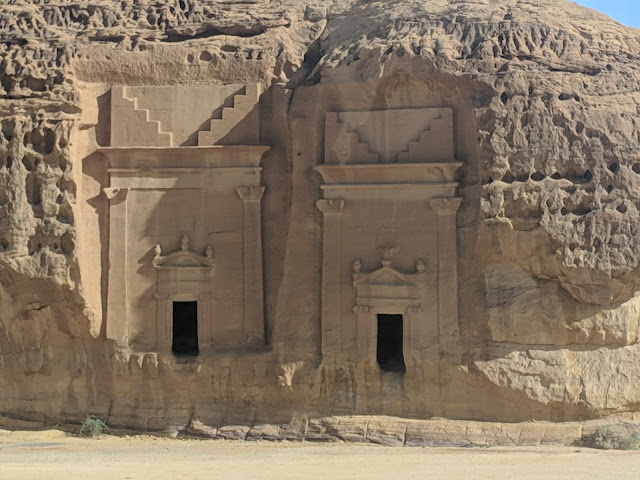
(116, 195)
(444, 206)
(330, 207)
(251, 193)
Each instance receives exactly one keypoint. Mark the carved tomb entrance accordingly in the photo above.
(185, 328)
(201, 202)
(389, 191)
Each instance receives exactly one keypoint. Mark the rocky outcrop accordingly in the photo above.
(547, 108)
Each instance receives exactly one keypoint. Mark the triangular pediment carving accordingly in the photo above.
(383, 277)
(387, 282)
(183, 258)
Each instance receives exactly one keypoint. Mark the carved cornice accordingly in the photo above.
(251, 193)
(444, 206)
(330, 207)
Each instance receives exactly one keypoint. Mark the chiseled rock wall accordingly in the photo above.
(548, 108)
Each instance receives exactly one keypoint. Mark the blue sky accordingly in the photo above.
(624, 11)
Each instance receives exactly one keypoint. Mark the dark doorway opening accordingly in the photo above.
(389, 353)
(185, 328)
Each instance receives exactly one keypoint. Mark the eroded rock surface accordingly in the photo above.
(546, 104)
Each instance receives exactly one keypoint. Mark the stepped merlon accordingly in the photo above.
(131, 126)
(238, 124)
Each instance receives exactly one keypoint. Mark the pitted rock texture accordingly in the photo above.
(549, 261)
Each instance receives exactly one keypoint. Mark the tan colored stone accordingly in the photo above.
(293, 171)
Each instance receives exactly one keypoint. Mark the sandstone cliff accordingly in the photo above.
(548, 110)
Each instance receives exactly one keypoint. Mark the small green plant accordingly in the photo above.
(613, 437)
(93, 427)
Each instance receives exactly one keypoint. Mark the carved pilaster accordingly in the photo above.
(331, 247)
(364, 332)
(117, 327)
(253, 328)
(412, 332)
(205, 314)
(448, 321)
(164, 312)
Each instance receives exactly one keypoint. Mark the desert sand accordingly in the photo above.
(53, 454)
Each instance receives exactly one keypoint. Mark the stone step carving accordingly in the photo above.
(132, 126)
(346, 146)
(429, 144)
(243, 106)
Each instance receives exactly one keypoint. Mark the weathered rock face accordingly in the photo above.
(545, 105)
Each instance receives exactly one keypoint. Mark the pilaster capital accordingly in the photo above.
(116, 195)
(446, 205)
(251, 193)
(361, 309)
(330, 207)
(413, 310)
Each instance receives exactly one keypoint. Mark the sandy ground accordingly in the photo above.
(55, 455)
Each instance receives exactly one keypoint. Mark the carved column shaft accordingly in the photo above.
(117, 327)
(253, 329)
(331, 282)
(448, 321)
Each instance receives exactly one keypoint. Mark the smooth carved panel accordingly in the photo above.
(389, 136)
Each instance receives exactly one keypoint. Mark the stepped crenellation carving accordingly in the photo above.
(243, 104)
(171, 116)
(389, 136)
(132, 126)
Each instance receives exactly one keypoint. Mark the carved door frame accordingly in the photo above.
(387, 291)
(183, 276)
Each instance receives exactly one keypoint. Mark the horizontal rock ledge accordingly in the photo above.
(378, 430)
